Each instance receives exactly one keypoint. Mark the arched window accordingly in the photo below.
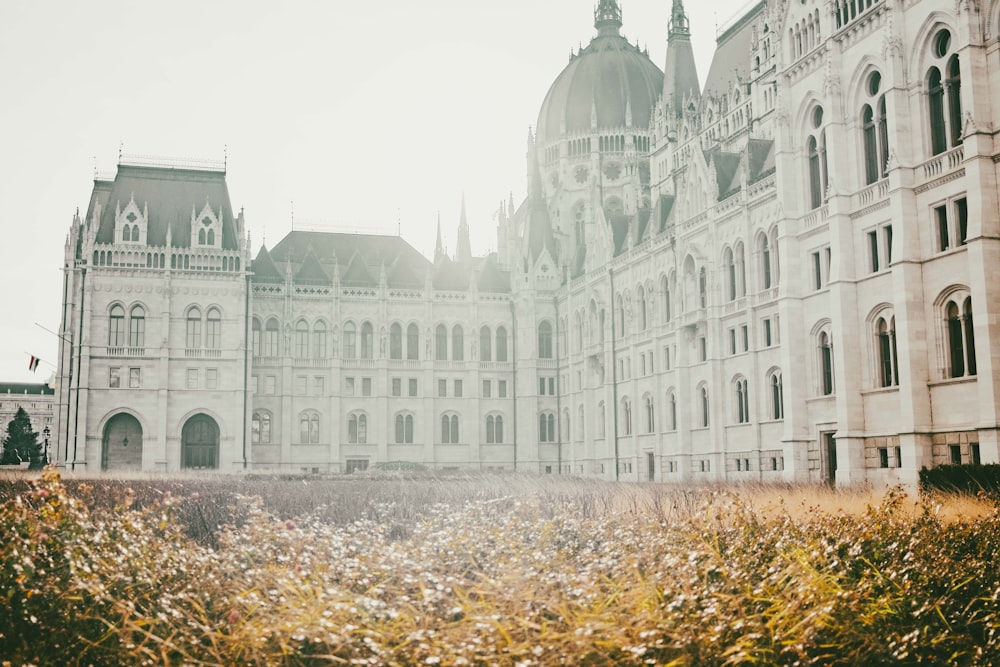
(201, 237)
(501, 343)
(961, 338)
(441, 343)
(875, 131)
(944, 97)
(135, 232)
(671, 411)
(764, 246)
(457, 343)
(650, 415)
(742, 401)
(777, 396)
(319, 340)
(665, 290)
(213, 329)
(257, 342)
(545, 340)
(193, 338)
(404, 429)
(116, 326)
(885, 339)
(301, 340)
(546, 427)
(581, 421)
(740, 270)
(703, 398)
(729, 266)
(816, 151)
(626, 417)
(396, 341)
(271, 332)
(935, 104)
(494, 430)
(498, 427)
(641, 302)
(578, 330)
(350, 341)
(309, 427)
(449, 429)
(367, 340)
(261, 427)
(357, 429)
(485, 343)
(412, 342)
(601, 420)
(620, 314)
(953, 86)
(211, 237)
(702, 288)
(126, 233)
(137, 327)
(826, 363)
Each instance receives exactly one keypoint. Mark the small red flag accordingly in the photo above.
(33, 363)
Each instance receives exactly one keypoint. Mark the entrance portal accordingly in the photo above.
(121, 446)
(200, 443)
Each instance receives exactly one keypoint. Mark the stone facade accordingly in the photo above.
(782, 274)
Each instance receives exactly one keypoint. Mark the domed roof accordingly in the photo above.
(606, 77)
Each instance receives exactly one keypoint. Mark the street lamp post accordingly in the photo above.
(45, 433)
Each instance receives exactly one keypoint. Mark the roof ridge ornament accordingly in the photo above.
(608, 17)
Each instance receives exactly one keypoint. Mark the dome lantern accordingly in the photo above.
(608, 17)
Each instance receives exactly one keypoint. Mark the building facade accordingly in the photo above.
(782, 274)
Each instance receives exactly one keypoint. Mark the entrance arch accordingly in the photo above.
(121, 444)
(200, 443)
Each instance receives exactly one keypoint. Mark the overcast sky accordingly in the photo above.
(361, 116)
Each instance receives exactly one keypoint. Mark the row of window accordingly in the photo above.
(357, 428)
(131, 331)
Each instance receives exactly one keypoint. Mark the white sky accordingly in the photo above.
(359, 115)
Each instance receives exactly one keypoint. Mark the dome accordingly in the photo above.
(607, 76)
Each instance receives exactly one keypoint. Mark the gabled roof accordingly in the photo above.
(727, 170)
(357, 273)
(403, 274)
(731, 61)
(264, 268)
(760, 159)
(169, 194)
(491, 277)
(311, 273)
(664, 207)
(449, 275)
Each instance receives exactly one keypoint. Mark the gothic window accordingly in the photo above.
(404, 429)
(601, 419)
(319, 340)
(764, 248)
(213, 329)
(546, 427)
(350, 341)
(703, 400)
(395, 341)
(944, 101)
(449, 429)
(116, 326)
(885, 341)
(457, 343)
(193, 337)
(626, 414)
(441, 343)
(671, 411)
(271, 338)
(960, 337)
(545, 340)
(740, 270)
(825, 363)
(641, 303)
(357, 429)
(137, 327)
(665, 291)
(126, 233)
(702, 288)
(412, 342)
(620, 314)
(875, 131)
(501, 347)
(742, 401)
(256, 337)
(777, 395)
(485, 344)
(650, 415)
(309, 427)
(494, 430)
(261, 427)
(816, 151)
(367, 340)
(730, 269)
(301, 339)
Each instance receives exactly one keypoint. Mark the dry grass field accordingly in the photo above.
(490, 570)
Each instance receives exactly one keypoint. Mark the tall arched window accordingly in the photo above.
(764, 247)
(490, 435)
(396, 341)
(546, 427)
(953, 86)
(193, 338)
(350, 341)
(137, 327)
(404, 429)
(498, 426)
(961, 337)
(485, 343)
(944, 94)
(412, 342)
(449, 429)
(885, 338)
(671, 411)
(935, 108)
(319, 340)
(457, 343)
(256, 337)
(875, 131)
(116, 326)
(545, 340)
(703, 397)
(729, 266)
(620, 315)
(441, 343)
(309, 427)
(301, 340)
(742, 401)
(816, 151)
(213, 329)
(777, 396)
(665, 291)
(271, 338)
(740, 269)
(640, 297)
(626, 417)
(650, 415)
(826, 363)
(501, 343)
(261, 427)
(702, 288)
(367, 341)
(601, 420)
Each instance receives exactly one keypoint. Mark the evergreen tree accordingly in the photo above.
(20, 443)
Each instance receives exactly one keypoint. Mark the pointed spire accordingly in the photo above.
(608, 17)
(438, 247)
(678, 20)
(463, 250)
(680, 76)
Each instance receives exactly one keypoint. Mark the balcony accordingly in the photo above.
(126, 351)
(941, 165)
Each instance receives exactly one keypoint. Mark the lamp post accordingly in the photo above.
(45, 433)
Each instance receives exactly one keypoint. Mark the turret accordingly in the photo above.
(463, 249)
(680, 76)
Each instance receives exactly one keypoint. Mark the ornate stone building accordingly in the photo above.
(781, 274)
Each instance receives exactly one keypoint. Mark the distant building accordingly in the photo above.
(38, 400)
(784, 274)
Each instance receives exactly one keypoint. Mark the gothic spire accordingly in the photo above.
(463, 250)
(678, 20)
(439, 246)
(680, 76)
(608, 17)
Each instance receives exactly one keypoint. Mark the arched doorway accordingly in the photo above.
(200, 443)
(121, 446)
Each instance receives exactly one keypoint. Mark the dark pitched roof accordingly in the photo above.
(727, 170)
(664, 207)
(451, 275)
(170, 194)
(760, 158)
(732, 54)
(264, 268)
(403, 274)
(357, 273)
(491, 277)
(311, 273)
(22, 388)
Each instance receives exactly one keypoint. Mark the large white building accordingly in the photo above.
(784, 274)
